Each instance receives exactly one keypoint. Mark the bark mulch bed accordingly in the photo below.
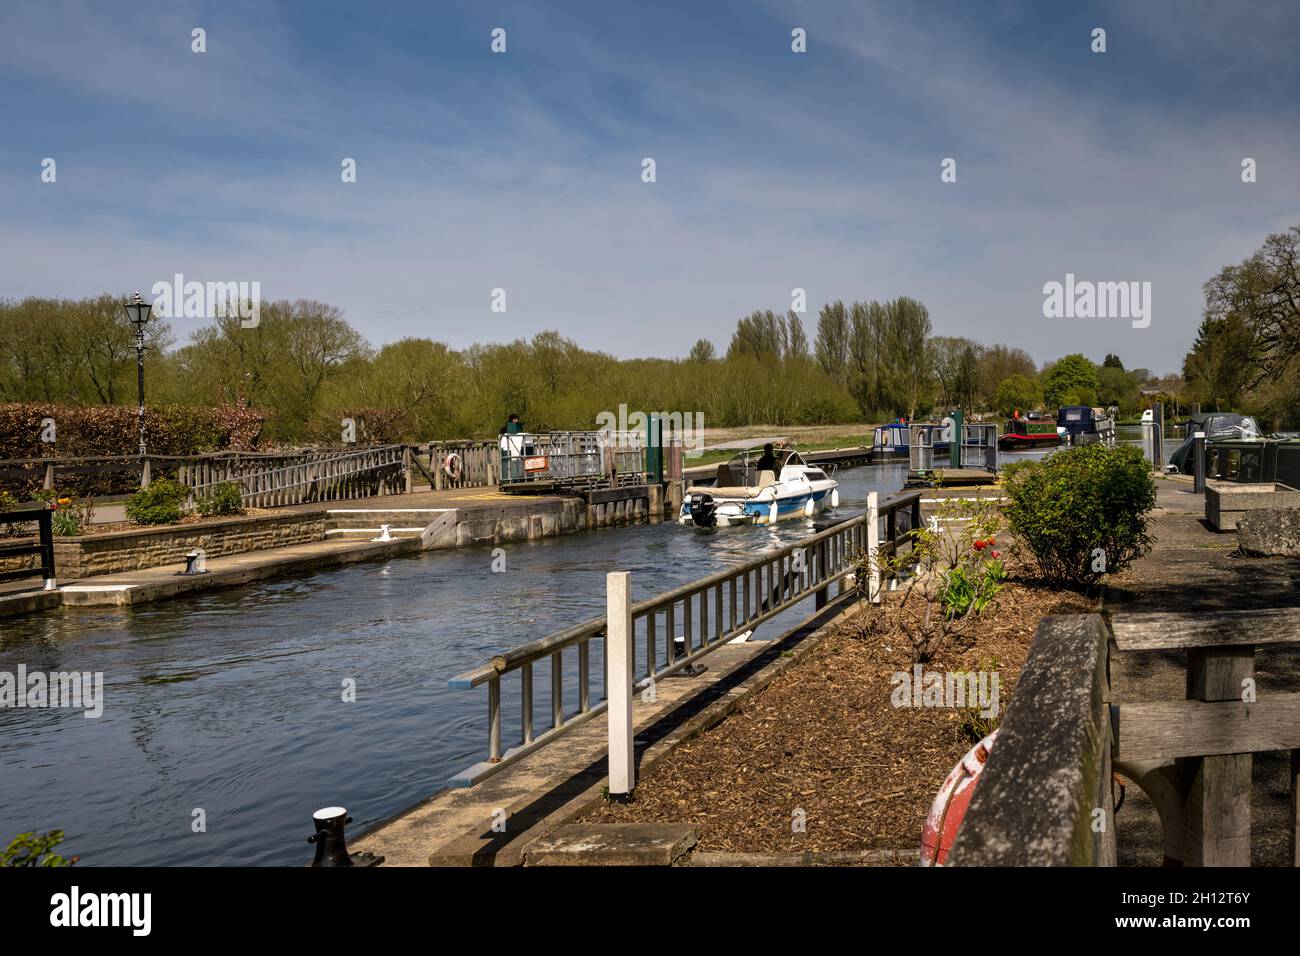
(824, 738)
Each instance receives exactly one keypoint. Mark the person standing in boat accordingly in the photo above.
(768, 461)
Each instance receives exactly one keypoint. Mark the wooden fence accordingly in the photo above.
(1044, 798)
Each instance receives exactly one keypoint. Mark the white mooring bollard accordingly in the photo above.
(618, 677)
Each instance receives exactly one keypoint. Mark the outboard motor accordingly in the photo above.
(703, 511)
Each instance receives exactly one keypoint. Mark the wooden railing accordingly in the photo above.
(40, 513)
(673, 630)
(1044, 797)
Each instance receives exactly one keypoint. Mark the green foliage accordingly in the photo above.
(1080, 504)
(1118, 387)
(224, 500)
(160, 503)
(969, 588)
(958, 571)
(1247, 350)
(702, 351)
(974, 725)
(34, 849)
(114, 429)
(1073, 376)
(1018, 392)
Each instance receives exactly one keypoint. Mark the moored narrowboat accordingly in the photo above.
(1028, 433)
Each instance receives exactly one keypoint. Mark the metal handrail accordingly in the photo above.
(752, 593)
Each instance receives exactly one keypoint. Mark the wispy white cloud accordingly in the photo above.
(820, 173)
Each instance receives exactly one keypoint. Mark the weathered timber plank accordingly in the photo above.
(1193, 728)
(1216, 818)
(1146, 632)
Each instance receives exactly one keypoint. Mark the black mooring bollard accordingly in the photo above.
(331, 844)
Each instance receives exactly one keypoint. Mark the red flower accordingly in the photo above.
(996, 554)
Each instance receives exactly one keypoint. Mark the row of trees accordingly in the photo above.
(304, 367)
(1247, 350)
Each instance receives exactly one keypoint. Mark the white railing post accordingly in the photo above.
(618, 663)
(873, 546)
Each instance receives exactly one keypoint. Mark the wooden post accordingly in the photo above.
(49, 476)
(406, 469)
(822, 594)
(873, 546)
(619, 681)
(1217, 814)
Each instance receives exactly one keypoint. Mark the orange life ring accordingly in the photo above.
(452, 467)
(949, 807)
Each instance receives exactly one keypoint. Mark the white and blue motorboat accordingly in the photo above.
(743, 494)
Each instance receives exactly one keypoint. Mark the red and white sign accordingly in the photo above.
(537, 463)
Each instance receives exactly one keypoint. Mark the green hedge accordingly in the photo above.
(1081, 512)
(90, 430)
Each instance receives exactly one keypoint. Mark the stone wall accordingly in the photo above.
(116, 551)
(1270, 531)
(19, 562)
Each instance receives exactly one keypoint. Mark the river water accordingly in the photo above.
(231, 702)
(227, 707)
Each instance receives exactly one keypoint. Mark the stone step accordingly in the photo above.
(366, 534)
(612, 844)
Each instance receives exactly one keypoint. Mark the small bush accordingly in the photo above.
(224, 500)
(1081, 512)
(160, 503)
(35, 849)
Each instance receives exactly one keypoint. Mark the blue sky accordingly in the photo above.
(775, 170)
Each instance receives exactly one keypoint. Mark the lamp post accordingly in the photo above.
(138, 311)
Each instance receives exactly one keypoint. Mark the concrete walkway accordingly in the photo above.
(151, 584)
